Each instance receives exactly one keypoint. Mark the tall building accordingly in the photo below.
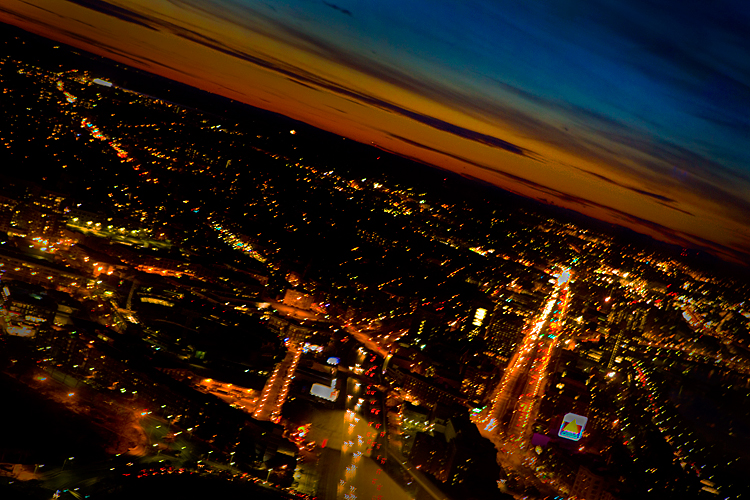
(426, 325)
(478, 319)
(479, 377)
(504, 332)
(460, 457)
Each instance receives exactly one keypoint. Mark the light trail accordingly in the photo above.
(519, 361)
(541, 366)
(237, 242)
(269, 408)
(281, 399)
(532, 357)
(366, 340)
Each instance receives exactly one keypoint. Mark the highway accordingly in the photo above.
(517, 397)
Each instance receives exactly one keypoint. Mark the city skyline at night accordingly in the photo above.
(475, 298)
(631, 114)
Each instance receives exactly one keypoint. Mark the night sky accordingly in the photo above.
(635, 112)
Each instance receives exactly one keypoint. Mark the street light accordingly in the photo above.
(65, 462)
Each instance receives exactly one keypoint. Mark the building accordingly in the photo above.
(478, 319)
(426, 326)
(428, 454)
(415, 417)
(30, 268)
(7, 212)
(26, 209)
(26, 310)
(42, 214)
(292, 328)
(591, 483)
(460, 457)
(295, 298)
(479, 377)
(503, 334)
(429, 391)
(87, 353)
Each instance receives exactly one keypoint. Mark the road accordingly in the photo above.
(515, 404)
(365, 340)
(517, 397)
(274, 393)
(537, 372)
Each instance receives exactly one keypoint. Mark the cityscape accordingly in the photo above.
(202, 297)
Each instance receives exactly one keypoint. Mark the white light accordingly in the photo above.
(479, 316)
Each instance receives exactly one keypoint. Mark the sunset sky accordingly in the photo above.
(632, 111)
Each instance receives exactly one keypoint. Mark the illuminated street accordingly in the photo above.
(524, 378)
(524, 382)
(536, 378)
(239, 397)
(268, 406)
(366, 340)
(213, 293)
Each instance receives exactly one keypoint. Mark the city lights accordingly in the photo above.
(254, 302)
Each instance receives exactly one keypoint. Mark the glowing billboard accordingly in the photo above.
(572, 426)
